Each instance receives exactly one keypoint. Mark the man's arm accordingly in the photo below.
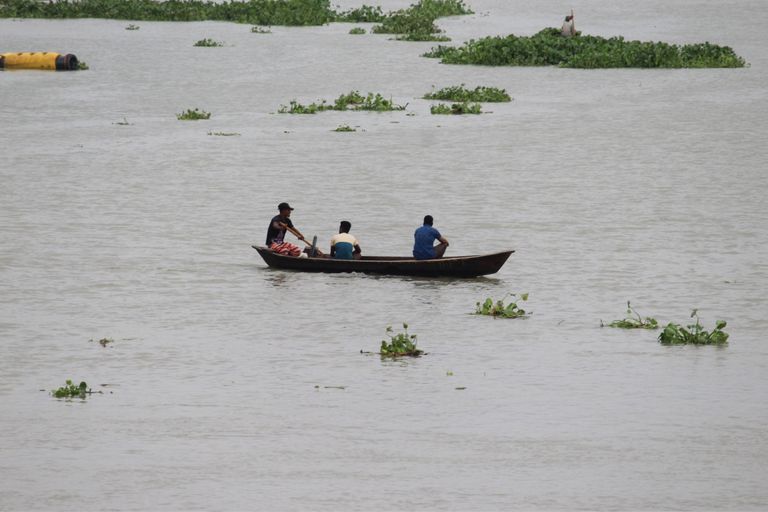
(292, 229)
(357, 249)
(443, 240)
(333, 250)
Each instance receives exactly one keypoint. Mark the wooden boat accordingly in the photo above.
(449, 266)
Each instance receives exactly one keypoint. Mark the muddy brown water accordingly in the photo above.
(612, 185)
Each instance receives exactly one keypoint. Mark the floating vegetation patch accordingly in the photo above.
(105, 341)
(344, 128)
(132, 27)
(124, 122)
(456, 108)
(364, 14)
(260, 30)
(253, 12)
(400, 344)
(423, 37)
(357, 31)
(633, 320)
(461, 93)
(694, 334)
(193, 115)
(224, 134)
(209, 43)
(549, 48)
(69, 390)
(82, 66)
(351, 101)
(499, 309)
(417, 22)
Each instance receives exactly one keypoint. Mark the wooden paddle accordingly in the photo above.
(298, 235)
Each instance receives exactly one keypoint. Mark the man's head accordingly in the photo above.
(345, 226)
(285, 209)
(428, 220)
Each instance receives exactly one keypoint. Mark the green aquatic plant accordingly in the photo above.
(633, 320)
(295, 107)
(260, 30)
(400, 344)
(694, 334)
(421, 36)
(364, 14)
(549, 48)
(254, 12)
(417, 22)
(105, 341)
(132, 27)
(499, 309)
(456, 108)
(82, 66)
(208, 43)
(344, 128)
(224, 134)
(193, 115)
(351, 101)
(124, 122)
(461, 93)
(357, 31)
(69, 390)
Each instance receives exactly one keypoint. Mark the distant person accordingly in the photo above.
(569, 26)
(343, 245)
(424, 239)
(276, 232)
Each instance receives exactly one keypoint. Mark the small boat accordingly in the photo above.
(448, 266)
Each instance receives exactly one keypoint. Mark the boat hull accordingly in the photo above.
(456, 266)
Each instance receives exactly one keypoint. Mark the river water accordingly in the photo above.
(233, 386)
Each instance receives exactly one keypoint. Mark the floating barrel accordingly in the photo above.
(38, 60)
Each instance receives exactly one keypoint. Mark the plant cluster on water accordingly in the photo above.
(417, 22)
(224, 134)
(193, 115)
(499, 309)
(549, 48)
(132, 27)
(400, 344)
(208, 43)
(254, 12)
(633, 322)
(357, 31)
(82, 66)
(69, 390)
(456, 108)
(344, 128)
(694, 334)
(352, 101)
(364, 14)
(462, 94)
(260, 30)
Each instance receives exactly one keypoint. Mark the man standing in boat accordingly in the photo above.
(276, 232)
(424, 239)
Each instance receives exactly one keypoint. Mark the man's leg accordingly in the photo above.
(440, 250)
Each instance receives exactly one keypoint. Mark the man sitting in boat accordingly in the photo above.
(343, 245)
(276, 232)
(424, 239)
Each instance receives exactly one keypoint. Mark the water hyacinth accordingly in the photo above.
(549, 48)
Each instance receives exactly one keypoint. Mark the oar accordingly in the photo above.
(313, 245)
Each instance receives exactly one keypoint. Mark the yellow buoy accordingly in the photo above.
(38, 60)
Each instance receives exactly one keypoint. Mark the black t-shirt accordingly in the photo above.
(274, 234)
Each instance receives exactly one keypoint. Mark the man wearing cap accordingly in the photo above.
(424, 239)
(276, 232)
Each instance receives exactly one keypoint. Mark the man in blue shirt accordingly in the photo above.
(424, 239)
